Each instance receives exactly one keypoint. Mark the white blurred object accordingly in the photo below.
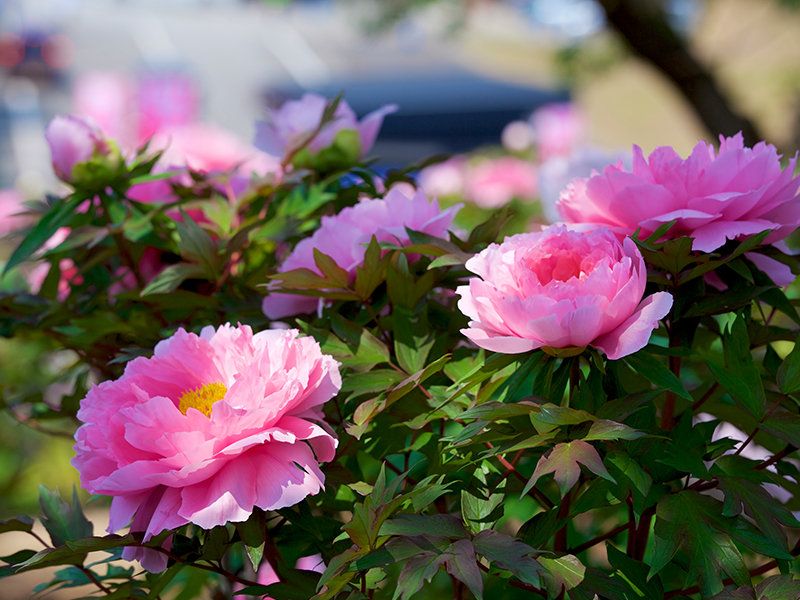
(556, 173)
(517, 136)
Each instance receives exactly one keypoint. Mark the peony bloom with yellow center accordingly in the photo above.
(209, 428)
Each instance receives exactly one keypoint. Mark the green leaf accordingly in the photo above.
(415, 573)
(495, 411)
(740, 376)
(784, 425)
(332, 272)
(476, 509)
(64, 522)
(564, 462)
(789, 371)
(22, 523)
(621, 463)
(172, 277)
(551, 416)
(462, 564)
(196, 245)
(655, 371)
(413, 340)
(509, 553)
(611, 430)
(565, 572)
(436, 525)
(372, 271)
(58, 215)
(688, 521)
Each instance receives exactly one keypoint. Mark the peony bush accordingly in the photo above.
(291, 375)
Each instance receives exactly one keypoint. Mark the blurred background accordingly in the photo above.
(597, 76)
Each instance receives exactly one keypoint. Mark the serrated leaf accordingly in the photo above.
(564, 462)
(461, 563)
(686, 521)
(509, 553)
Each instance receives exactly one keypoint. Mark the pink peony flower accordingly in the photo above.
(345, 236)
(290, 125)
(713, 196)
(11, 209)
(557, 129)
(73, 140)
(561, 289)
(210, 427)
(495, 182)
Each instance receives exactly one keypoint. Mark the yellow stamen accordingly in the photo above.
(202, 398)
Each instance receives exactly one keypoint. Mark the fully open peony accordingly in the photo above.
(712, 196)
(561, 289)
(345, 236)
(210, 427)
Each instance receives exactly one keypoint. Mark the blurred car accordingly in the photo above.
(445, 111)
(35, 53)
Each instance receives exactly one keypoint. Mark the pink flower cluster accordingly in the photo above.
(210, 427)
(345, 236)
(561, 289)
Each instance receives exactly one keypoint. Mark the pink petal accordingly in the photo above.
(635, 332)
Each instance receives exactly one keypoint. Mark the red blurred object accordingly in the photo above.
(35, 53)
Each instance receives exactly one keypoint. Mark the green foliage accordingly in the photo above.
(441, 485)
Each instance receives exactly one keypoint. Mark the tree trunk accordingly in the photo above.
(644, 26)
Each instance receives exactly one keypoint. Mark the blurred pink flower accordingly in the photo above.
(11, 207)
(290, 125)
(444, 179)
(73, 140)
(495, 182)
(165, 101)
(206, 149)
(108, 99)
(561, 289)
(712, 196)
(558, 129)
(210, 427)
(345, 236)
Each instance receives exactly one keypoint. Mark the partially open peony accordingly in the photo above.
(712, 196)
(210, 427)
(559, 289)
(345, 236)
(289, 126)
